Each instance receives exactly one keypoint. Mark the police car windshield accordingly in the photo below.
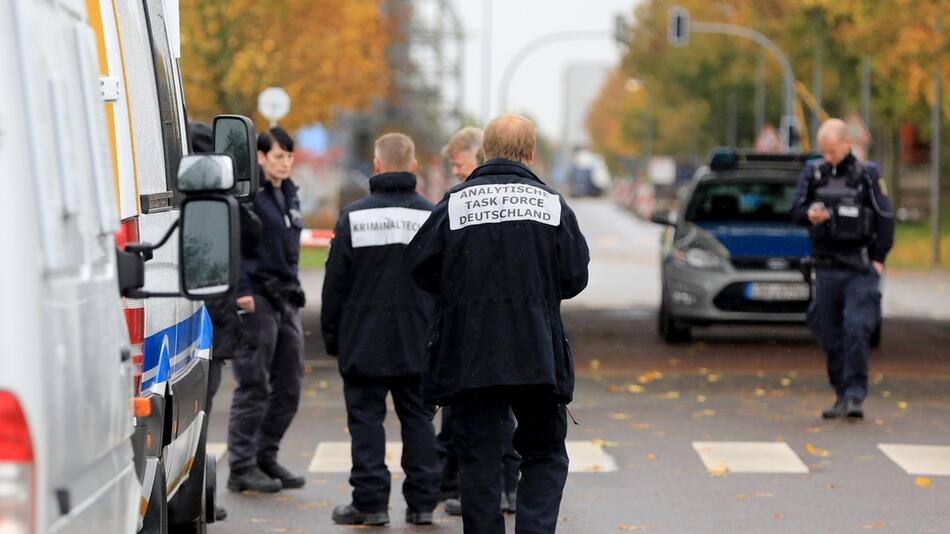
(741, 202)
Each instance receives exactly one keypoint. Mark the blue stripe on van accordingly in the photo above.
(160, 348)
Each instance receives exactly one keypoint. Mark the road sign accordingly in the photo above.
(768, 141)
(274, 104)
(678, 30)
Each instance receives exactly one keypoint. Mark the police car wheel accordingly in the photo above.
(671, 330)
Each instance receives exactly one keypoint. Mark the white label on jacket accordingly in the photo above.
(385, 226)
(486, 204)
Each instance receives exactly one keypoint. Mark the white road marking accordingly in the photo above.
(217, 449)
(334, 457)
(749, 457)
(930, 460)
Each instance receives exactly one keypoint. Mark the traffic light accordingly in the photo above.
(678, 30)
(621, 30)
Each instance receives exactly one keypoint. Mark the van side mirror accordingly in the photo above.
(235, 135)
(206, 173)
(208, 241)
(662, 217)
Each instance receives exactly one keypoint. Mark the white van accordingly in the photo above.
(92, 132)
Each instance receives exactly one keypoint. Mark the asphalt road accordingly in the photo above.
(653, 412)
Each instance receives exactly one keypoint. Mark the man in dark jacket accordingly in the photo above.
(501, 251)
(268, 364)
(843, 203)
(375, 319)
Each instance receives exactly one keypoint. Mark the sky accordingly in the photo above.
(537, 86)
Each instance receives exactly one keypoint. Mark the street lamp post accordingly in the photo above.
(504, 85)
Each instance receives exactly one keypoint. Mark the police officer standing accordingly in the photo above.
(843, 203)
(501, 251)
(464, 153)
(375, 319)
(268, 365)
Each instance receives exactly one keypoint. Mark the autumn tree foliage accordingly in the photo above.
(327, 54)
(692, 95)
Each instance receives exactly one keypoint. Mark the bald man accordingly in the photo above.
(501, 250)
(375, 319)
(843, 203)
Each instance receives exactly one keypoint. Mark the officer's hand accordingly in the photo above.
(246, 303)
(879, 267)
(817, 213)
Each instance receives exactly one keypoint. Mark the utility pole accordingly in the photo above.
(486, 61)
(759, 94)
(935, 159)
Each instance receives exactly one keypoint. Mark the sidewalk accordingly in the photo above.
(916, 293)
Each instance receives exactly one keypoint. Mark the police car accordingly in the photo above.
(732, 253)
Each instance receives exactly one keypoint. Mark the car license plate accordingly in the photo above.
(777, 291)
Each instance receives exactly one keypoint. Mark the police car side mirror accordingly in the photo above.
(234, 135)
(662, 217)
(208, 241)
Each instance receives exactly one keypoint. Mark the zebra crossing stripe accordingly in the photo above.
(927, 460)
(334, 457)
(721, 457)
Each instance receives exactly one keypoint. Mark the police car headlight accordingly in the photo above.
(699, 258)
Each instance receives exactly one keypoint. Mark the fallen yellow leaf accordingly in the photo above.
(651, 376)
(618, 416)
(873, 526)
(923, 482)
(323, 384)
(630, 528)
(713, 378)
(670, 395)
(613, 388)
(901, 405)
(778, 516)
(886, 394)
(759, 392)
(785, 382)
(640, 426)
(700, 398)
(650, 457)
(603, 443)
(719, 471)
(595, 364)
(817, 451)
(634, 388)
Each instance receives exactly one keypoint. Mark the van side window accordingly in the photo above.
(167, 97)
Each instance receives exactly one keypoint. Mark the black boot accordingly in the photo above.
(252, 479)
(286, 478)
(418, 518)
(220, 514)
(855, 409)
(453, 507)
(840, 409)
(347, 514)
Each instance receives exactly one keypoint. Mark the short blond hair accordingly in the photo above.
(468, 140)
(395, 152)
(511, 137)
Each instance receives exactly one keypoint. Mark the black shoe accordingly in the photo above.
(347, 514)
(418, 518)
(220, 514)
(509, 502)
(286, 478)
(453, 507)
(840, 409)
(252, 479)
(855, 410)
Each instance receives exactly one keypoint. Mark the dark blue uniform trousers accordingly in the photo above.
(539, 439)
(449, 487)
(365, 413)
(268, 366)
(844, 313)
